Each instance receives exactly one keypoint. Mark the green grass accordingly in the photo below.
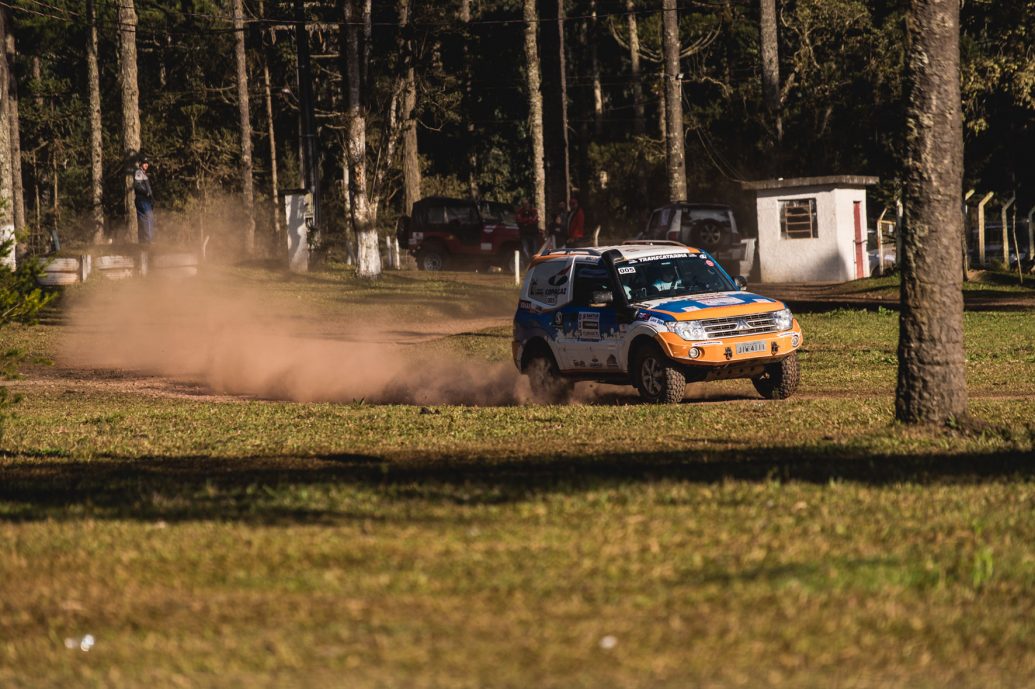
(723, 542)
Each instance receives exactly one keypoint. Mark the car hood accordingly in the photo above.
(710, 305)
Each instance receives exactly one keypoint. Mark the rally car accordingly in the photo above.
(653, 314)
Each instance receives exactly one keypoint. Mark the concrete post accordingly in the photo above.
(880, 242)
(981, 227)
(1006, 236)
(517, 267)
(966, 233)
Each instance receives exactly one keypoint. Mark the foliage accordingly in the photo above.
(841, 67)
(21, 300)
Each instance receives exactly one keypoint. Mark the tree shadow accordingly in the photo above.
(269, 490)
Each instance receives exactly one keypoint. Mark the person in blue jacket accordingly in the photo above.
(144, 201)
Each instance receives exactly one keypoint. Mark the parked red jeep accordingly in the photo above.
(453, 233)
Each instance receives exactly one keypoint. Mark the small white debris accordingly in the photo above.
(87, 643)
(608, 642)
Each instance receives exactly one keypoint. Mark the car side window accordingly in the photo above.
(549, 283)
(589, 278)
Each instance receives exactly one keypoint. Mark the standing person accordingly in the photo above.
(576, 223)
(144, 201)
(528, 228)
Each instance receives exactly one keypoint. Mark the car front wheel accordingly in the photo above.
(656, 377)
(431, 259)
(547, 383)
(780, 380)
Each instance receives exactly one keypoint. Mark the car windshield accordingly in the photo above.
(672, 276)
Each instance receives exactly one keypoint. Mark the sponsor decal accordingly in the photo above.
(688, 309)
(626, 270)
(558, 279)
(595, 364)
(486, 246)
(589, 325)
(558, 318)
(525, 304)
(710, 264)
(642, 315)
(612, 362)
(622, 328)
(656, 321)
(719, 301)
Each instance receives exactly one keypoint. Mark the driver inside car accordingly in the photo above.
(665, 279)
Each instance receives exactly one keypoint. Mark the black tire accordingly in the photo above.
(548, 385)
(711, 236)
(432, 258)
(780, 380)
(657, 379)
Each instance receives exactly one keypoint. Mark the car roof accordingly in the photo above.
(629, 250)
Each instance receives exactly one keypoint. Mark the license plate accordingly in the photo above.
(750, 347)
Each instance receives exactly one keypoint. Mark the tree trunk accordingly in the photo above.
(411, 154)
(130, 108)
(272, 134)
(563, 71)
(6, 181)
(368, 253)
(594, 67)
(472, 132)
(639, 121)
(535, 109)
(673, 103)
(244, 114)
(96, 131)
(770, 65)
(17, 190)
(931, 380)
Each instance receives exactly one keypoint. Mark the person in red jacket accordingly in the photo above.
(528, 226)
(576, 223)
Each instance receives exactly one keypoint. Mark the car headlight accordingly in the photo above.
(783, 319)
(689, 330)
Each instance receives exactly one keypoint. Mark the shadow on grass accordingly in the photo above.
(288, 490)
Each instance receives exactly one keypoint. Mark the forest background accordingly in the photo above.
(839, 106)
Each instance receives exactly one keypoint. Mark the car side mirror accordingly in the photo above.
(602, 297)
(741, 281)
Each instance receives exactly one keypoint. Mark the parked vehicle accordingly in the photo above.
(655, 315)
(447, 233)
(710, 226)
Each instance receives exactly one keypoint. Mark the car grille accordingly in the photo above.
(755, 324)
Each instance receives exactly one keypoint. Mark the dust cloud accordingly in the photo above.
(241, 340)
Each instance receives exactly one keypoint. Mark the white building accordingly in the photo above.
(812, 229)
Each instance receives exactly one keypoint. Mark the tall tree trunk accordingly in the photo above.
(673, 103)
(17, 190)
(96, 132)
(563, 71)
(770, 66)
(639, 121)
(272, 135)
(411, 154)
(6, 181)
(594, 68)
(130, 107)
(535, 108)
(931, 380)
(368, 253)
(472, 132)
(244, 114)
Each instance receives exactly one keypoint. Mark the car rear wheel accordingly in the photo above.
(548, 385)
(710, 236)
(780, 380)
(431, 258)
(656, 377)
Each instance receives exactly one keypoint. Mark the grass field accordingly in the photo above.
(235, 541)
